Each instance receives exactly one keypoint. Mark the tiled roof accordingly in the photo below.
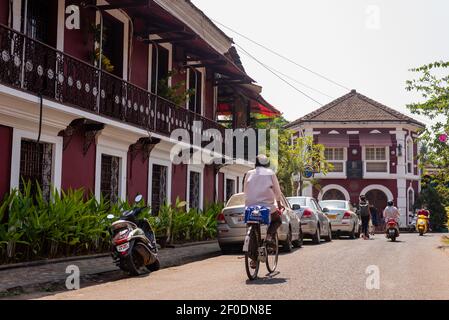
(355, 107)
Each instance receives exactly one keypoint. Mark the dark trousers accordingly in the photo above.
(276, 222)
(365, 225)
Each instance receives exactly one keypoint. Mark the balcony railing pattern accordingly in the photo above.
(30, 65)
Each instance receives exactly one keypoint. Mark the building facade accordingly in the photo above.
(373, 150)
(68, 121)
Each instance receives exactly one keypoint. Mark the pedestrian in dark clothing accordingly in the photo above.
(373, 212)
(365, 216)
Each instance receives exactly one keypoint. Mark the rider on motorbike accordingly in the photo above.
(391, 212)
(261, 188)
(426, 213)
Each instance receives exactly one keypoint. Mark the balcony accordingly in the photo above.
(34, 67)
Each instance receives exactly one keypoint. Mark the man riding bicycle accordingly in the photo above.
(261, 188)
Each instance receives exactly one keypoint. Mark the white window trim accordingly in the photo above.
(339, 175)
(123, 155)
(228, 176)
(376, 174)
(380, 187)
(167, 46)
(332, 187)
(203, 86)
(155, 161)
(200, 170)
(124, 19)
(57, 143)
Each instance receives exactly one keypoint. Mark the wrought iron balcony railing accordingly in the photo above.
(35, 67)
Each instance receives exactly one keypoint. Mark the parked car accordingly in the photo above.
(314, 223)
(231, 227)
(343, 217)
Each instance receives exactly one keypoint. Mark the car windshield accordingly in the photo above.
(333, 204)
(298, 200)
(236, 200)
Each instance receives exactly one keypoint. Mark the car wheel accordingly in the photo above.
(328, 238)
(287, 245)
(298, 243)
(359, 232)
(316, 239)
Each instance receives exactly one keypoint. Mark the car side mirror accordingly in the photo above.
(296, 207)
(325, 210)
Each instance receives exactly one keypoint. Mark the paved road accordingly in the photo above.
(413, 268)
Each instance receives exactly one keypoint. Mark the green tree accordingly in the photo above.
(433, 85)
(294, 156)
(431, 198)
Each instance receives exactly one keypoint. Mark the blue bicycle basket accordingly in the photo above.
(257, 214)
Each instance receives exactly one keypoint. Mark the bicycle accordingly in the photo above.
(255, 249)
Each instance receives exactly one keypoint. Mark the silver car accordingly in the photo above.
(314, 223)
(231, 227)
(343, 217)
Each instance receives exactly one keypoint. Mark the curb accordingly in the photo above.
(90, 256)
(59, 285)
(51, 261)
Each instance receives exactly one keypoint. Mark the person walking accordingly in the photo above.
(365, 216)
(374, 221)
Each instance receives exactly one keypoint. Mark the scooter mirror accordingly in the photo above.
(138, 198)
(110, 216)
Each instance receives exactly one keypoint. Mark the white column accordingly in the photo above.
(401, 201)
(307, 190)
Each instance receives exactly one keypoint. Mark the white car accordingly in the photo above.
(231, 227)
(343, 217)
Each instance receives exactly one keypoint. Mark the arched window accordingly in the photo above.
(410, 155)
(411, 199)
(334, 194)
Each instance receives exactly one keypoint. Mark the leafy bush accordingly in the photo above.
(68, 225)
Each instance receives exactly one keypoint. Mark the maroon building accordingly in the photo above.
(106, 128)
(373, 149)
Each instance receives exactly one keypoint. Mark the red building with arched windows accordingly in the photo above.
(373, 149)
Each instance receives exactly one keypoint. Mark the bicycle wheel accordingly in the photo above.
(252, 246)
(272, 254)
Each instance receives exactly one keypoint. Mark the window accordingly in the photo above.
(40, 21)
(159, 66)
(336, 157)
(159, 188)
(194, 190)
(110, 177)
(376, 159)
(410, 155)
(195, 84)
(113, 42)
(230, 188)
(411, 200)
(36, 163)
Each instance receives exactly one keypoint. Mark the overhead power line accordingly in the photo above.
(282, 56)
(277, 75)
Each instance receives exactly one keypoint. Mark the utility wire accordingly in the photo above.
(297, 81)
(278, 76)
(282, 56)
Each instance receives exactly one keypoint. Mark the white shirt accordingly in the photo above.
(261, 188)
(391, 212)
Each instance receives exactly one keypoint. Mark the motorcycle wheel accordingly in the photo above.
(134, 263)
(155, 266)
(421, 233)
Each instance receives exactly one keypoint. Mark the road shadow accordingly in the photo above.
(268, 279)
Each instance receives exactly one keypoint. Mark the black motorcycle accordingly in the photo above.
(133, 242)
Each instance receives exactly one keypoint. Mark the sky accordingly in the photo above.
(367, 45)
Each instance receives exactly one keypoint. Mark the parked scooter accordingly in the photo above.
(422, 224)
(392, 231)
(133, 242)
